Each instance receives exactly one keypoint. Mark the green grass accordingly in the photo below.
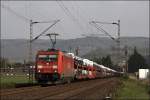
(10, 81)
(132, 89)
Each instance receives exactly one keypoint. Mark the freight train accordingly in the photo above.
(54, 65)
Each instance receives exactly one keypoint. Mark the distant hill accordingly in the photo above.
(17, 49)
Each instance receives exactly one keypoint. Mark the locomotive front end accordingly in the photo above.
(47, 66)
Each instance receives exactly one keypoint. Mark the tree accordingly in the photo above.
(136, 61)
(106, 61)
(97, 60)
(4, 62)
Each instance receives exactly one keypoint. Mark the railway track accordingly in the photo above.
(86, 92)
(86, 89)
(16, 90)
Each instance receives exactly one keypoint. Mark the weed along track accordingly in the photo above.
(92, 89)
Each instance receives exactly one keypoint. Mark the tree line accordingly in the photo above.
(136, 61)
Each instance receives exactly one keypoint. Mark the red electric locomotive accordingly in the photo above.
(53, 65)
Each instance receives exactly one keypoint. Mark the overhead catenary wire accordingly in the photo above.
(83, 19)
(74, 19)
(15, 13)
(23, 17)
(69, 14)
(18, 15)
(102, 30)
(102, 22)
(45, 30)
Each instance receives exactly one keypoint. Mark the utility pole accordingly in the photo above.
(70, 49)
(30, 52)
(119, 55)
(118, 40)
(30, 49)
(126, 58)
(77, 51)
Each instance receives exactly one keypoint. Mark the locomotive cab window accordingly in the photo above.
(48, 58)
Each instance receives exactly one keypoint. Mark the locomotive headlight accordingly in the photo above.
(39, 66)
(55, 71)
(54, 66)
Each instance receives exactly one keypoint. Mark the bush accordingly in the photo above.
(125, 76)
(148, 89)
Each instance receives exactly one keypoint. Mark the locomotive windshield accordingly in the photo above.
(48, 58)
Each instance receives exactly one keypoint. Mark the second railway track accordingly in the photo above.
(78, 90)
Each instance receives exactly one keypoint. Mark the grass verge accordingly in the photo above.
(132, 90)
(11, 81)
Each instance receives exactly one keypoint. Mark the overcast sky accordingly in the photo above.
(75, 17)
